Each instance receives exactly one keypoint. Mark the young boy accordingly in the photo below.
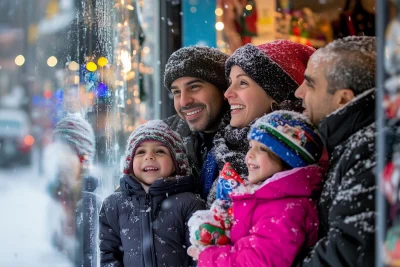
(144, 223)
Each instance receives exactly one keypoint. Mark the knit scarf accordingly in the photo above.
(231, 145)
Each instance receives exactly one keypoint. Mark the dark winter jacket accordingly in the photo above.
(139, 229)
(347, 204)
(87, 224)
(197, 144)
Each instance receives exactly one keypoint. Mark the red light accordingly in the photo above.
(47, 94)
(29, 140)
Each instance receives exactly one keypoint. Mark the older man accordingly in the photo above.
(339, 97)
(196, 78)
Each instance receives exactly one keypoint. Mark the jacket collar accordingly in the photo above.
(344, 122)
(298, 182)
(162, 186)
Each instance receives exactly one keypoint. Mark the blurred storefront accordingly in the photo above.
(234, 23)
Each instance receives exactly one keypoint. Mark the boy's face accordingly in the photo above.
(261, 162)
(151, 161)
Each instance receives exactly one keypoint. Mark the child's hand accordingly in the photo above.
(193, 252)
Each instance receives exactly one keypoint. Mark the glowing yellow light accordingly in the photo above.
(52, 61)
(130, 128)
(19, 60)
(249, 7)
(128, 102)
(137, 101)
(102, 61)
(76, 79)
(219, 12)
(91, 66)
(219, 26)
(73, 66)
(146, 49)
(136, 93)
(125, 60)
(130, 7)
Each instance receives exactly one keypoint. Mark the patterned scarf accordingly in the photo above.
(231, 145)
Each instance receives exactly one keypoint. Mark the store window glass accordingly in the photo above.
(76, 78)
(314, 23)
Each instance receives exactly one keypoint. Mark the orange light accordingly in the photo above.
(29, 140)
(47, 94)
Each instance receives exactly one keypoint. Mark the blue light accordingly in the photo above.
(102, 90)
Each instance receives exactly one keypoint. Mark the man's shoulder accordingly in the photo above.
(356, 155)
(178, 125)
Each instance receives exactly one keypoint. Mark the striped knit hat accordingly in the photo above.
(290, 135)
(78, 134)
(157, 130)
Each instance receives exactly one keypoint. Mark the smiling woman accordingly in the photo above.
(262, 79)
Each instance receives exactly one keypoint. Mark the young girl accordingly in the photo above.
(144, 223)
(274, 214)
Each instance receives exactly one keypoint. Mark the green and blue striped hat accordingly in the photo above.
(290, 135)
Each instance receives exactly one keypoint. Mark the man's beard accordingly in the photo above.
(211, 123)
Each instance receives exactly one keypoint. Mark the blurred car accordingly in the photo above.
(16, 141)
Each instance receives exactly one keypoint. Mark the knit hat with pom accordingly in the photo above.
(278, 67)
(157, 130)
(200, 62)
(290, 135)
(77, 133)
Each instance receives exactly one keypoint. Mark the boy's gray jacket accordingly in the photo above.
(148, 229)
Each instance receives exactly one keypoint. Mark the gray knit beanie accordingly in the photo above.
(78, 134)
(200, 62)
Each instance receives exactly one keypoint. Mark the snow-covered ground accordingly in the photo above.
(24, 223)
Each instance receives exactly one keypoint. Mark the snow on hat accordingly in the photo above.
(290, 135)
(200, 62)
(78, 133)
(157, 130)
(278, 67)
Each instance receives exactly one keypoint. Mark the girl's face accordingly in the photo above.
(151, 161)
(248, 101)
(261, 162)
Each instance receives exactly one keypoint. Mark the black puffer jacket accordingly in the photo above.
(139, 229)
(347, 204)
(197, 144)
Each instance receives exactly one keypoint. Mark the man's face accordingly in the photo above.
(197, 102)
(318, 103)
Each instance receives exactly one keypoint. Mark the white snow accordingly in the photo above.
(25, 223)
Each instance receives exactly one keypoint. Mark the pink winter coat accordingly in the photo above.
(273, 224)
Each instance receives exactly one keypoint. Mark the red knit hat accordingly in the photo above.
(278, 67)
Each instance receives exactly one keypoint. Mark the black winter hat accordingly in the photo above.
(200, 62)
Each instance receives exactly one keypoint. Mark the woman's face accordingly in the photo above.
(247, 100)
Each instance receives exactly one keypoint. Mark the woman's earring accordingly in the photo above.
(274, 106)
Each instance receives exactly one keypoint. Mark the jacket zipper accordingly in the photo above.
(147, 235)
